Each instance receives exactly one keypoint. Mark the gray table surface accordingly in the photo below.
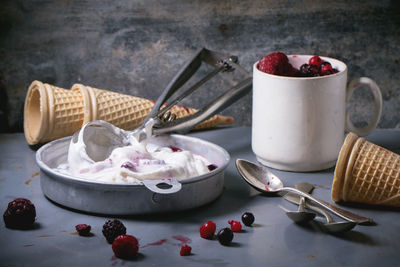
(274, 240)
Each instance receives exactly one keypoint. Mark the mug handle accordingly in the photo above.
(353, 85)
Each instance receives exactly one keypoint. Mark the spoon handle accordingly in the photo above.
(347, 215)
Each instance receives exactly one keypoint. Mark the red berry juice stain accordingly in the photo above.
(28, 181)
(267, 188)
(157, 243)
(183, 239)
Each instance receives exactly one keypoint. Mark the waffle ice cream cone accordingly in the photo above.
(366, 173)
(124, 111)
(52, 112)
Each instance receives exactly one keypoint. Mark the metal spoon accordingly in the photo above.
(265, 181)
(330, 226)
(301, 215)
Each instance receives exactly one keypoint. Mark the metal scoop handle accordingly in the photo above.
(221, 62)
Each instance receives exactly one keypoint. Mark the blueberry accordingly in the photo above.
(225, 236)
(248, 218)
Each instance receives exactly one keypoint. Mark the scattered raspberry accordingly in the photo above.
(235, 226)
(207, 230)
(276, 63)
(212, 167)
(315, 60)
(83, 229)
(20, 214)
(112, 229)
(125, 246)
(248, 218)
(185, 250)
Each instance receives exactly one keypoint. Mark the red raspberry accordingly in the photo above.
(326, 68)
(83, 229)
(276, 63)
(207, 230)
(315, 60)
(235, 226)
(125, 246)
(185, 250)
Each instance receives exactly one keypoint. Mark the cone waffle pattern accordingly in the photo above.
(372, 175)
(68, 113)
(124, 111)
(376, 176)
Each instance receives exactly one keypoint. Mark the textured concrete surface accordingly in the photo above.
(136, 47)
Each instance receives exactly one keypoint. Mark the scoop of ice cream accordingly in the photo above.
(139, 161)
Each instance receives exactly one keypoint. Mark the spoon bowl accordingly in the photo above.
(301, 215)
(332, 226)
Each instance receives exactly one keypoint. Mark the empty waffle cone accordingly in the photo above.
(51, 112)
(366, 173)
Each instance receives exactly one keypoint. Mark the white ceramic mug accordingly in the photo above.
(299, 123)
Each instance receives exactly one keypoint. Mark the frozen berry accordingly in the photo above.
(235, 226)
(313, 70)
(207, 230)
(248, 218)
(326, 68)
(175, 149)
(20, 214)
(83, 229)
(185, 250)
(129, 165)
(304, 69)
(225, 236)
(112, 229)
(212, 167)
(276, 63)
(315, 60)
(125, 246)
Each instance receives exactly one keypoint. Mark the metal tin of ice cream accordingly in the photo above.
(129, 199)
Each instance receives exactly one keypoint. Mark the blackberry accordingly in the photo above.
(309, 70)
(112, 229)
(20, 214)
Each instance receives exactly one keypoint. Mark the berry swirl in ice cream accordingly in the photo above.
(137, 162)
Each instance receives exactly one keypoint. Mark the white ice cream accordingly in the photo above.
(134, 163)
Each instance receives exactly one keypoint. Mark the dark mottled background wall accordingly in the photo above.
(136, 47)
